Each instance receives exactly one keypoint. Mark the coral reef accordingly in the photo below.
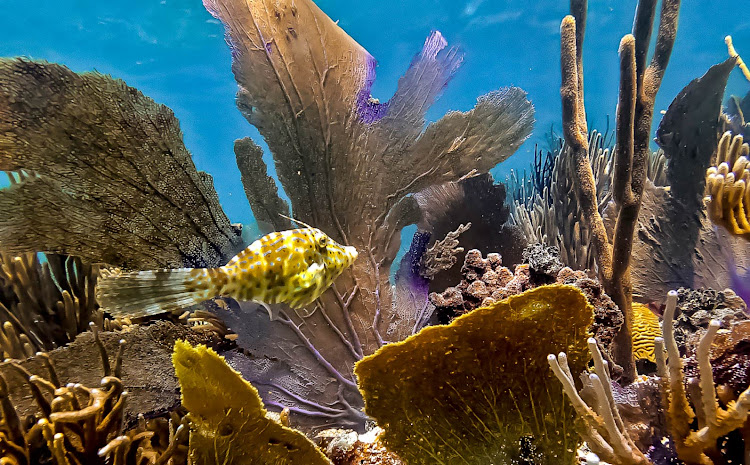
(442, 254)
(730, 361)
(639, 405)
(603, 428)
(548, 211)
(544, 263)
(486, 281)
(475, 200)
(100, 171)
(552, 216)
(228, 423)
(713, 420)
(73, 422)
(146, 368)
(639, 85)
(54, 418)
(325, 134)
(154, 442)
(44, 305)
(700, 306)
(345, 447)
(461, 393)
(119, 187)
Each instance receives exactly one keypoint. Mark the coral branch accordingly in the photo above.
(442, 254)
(603, 430)
(691, 445)
(579, 11)
(260, 188)
(727, 186)
(622, 191)
(740, 62)
(578, 143)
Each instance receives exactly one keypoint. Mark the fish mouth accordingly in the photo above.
(351, 252)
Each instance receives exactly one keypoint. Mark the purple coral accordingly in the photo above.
(429, 73)
(349, 165)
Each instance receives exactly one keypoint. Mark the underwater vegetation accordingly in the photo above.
(120, 188)
(228, 424)
(727, 186)
(606, 433)
(310, 99)
(458, 394)
(65, 423)
(314, 345)
(44, 305)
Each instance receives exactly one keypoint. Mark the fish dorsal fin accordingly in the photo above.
(296, 221)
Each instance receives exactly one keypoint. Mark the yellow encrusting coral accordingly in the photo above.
(645, 329)
(228, 423)
(469, 391)
(727, 186)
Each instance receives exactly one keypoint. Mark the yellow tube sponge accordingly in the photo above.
(740, 62)
(228, 423)
(469, 391)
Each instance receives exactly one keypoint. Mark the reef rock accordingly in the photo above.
(486, 281)
(147, 372)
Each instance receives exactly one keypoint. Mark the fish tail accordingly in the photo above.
(143, 293)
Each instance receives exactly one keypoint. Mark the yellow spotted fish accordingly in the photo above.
(293, 267)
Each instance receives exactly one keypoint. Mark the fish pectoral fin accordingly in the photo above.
(311, 277)
(315, 268)
(308, 286)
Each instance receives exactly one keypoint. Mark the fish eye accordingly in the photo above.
(322, 241)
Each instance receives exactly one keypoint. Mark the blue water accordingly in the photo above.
(174, 52)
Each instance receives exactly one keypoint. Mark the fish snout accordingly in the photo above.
(351, 252)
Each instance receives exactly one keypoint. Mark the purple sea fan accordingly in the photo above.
(349, 165)
(739, 278)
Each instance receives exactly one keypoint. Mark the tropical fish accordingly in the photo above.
(293, 267)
